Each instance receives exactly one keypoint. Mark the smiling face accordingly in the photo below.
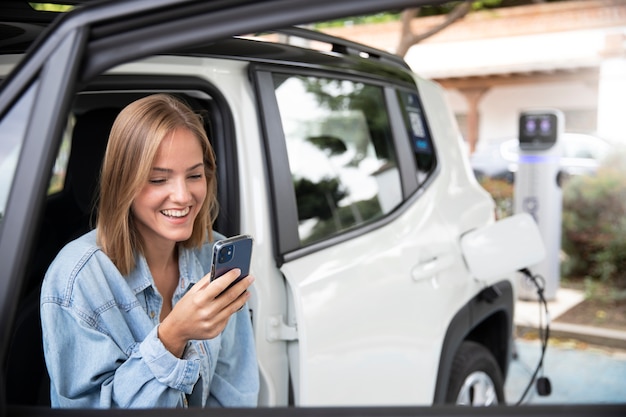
(166, 207)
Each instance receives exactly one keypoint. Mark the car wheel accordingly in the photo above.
(475, 378)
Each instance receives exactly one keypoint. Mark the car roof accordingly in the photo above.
(21, 25)
(270, 52)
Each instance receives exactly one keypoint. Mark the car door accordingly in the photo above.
(369, 254)
(365, 331)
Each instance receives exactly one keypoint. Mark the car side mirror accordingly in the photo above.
(503, 247)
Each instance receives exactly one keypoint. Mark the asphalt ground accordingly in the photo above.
(592, 375)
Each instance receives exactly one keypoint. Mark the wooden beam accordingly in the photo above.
(587, 75)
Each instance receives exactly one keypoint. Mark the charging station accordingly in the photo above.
(537, 191)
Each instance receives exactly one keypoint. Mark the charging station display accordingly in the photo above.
(537, 191)
(538, 132)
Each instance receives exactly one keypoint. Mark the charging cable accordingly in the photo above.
(543, 385)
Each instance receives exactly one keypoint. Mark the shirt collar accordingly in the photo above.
(140, 278)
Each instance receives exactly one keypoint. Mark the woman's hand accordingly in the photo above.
(201, 314)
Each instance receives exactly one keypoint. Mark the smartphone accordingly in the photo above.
(233, 252)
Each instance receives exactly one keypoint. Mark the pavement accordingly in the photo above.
(527, 319)
(591, 375)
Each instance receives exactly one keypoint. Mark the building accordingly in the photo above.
(568, 55)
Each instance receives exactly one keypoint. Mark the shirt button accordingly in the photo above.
(152, 314)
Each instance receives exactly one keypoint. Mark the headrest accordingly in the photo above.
(89, 141)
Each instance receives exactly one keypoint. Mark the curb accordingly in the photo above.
(527, 320)
(593, 335)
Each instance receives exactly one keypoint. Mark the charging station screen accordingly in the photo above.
(537, 131)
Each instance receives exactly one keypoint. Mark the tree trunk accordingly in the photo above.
(408, 38)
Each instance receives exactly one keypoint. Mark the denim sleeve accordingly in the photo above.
(88, 369)
(236, 379)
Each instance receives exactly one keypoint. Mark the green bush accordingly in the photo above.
(594, 224)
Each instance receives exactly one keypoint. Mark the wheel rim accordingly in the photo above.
(478, 390)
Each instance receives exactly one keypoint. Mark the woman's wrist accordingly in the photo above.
(174, 344)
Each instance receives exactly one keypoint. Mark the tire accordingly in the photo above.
(475, 378)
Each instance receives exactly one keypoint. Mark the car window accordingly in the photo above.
(59, 170)
(340, 152)
(12, 132)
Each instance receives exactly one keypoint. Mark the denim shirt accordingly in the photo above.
(101, 345)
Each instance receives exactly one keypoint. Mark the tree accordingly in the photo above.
(454, 11)
(408, 38)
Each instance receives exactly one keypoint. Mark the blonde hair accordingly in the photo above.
(135, 137)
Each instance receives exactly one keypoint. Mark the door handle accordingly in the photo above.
(427, 268)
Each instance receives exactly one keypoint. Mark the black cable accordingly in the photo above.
(543, 336)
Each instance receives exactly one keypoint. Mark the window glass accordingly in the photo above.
(340, 151)
(59, 170)
(418, 134)
(12, 132)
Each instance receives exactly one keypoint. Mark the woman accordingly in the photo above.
(129, 317)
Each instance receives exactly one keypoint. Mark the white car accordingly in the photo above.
(382, 278)
(582, 155)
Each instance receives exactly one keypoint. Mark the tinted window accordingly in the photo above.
(12, 131)
(59, 170)
(340, 151)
